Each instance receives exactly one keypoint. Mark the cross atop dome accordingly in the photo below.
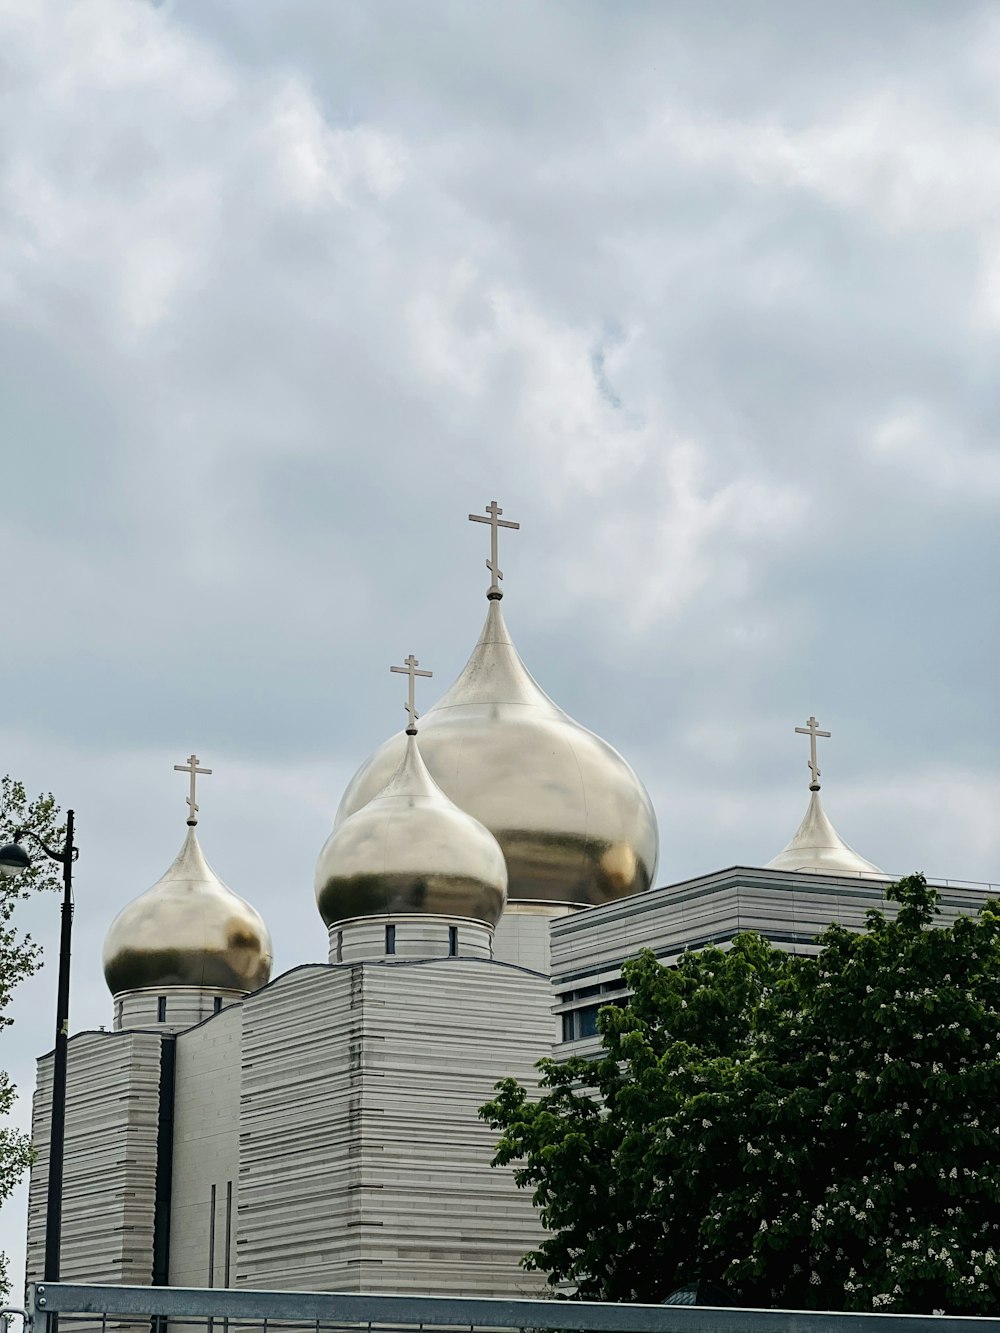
(492, 517)
(191, 767)
(410, 669)
(811, 729)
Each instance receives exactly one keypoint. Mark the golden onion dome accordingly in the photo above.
(411, 851)
(575, 824)
(189, 929)
(819, 849)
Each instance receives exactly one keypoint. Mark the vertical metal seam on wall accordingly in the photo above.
(211, 1240)
(229, 1231)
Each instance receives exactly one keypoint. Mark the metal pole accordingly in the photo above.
(57, 1132)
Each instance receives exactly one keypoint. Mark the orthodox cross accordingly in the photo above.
(410, 669)
(811, 729)
(492, 517)
(192, 768)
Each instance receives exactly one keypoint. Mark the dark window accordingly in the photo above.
(605, 988)
(586, 1021)
(390, 939)
(452, 941)
(340, 946)
(161, 1009)
(216, 1004)
(580, 1023)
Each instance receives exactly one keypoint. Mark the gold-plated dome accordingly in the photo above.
(189, 929)
(818, 848)
(575, 823)
(410, 851)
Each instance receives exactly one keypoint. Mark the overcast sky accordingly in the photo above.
(706, 295)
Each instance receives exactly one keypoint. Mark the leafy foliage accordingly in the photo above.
(20, 956)
(807, 1132)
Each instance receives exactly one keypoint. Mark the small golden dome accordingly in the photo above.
(410, 851)
(189, 929)
(575, 823)
(819, 849)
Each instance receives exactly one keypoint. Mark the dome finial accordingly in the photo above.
(191, 767)
(811, 729)
(410, 669)
(493, 512)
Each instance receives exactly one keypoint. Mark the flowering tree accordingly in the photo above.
(20, 956)
(807, 1132)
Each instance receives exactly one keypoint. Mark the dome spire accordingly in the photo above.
(191, 767)
(410, 669)
(493, 512)
(817, 847)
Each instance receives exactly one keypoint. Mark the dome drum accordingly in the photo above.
(405, 937)
(171, 1008)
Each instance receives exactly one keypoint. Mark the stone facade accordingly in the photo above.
(320, 1133)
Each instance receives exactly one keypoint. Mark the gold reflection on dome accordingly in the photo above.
(189, 929)
(410, 851)
(575, 823)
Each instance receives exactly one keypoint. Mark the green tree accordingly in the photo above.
(806, 1132)
(20, 956)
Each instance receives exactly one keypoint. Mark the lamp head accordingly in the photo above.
(13, 860)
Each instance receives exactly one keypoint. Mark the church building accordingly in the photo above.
(488, 871)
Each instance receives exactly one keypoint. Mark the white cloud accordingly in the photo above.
(925, 449)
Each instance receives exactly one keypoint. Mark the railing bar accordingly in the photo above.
(311, 1310)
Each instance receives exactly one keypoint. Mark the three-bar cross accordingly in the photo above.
(811, 729)
(492, 517)
(410, 669)
(192, 768)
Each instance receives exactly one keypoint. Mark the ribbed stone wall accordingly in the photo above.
(109, 1179)
(363, 1165)
(790, 909)
(206, 1153)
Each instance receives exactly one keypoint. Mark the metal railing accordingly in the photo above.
(162, 1308)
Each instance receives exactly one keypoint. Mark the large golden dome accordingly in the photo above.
(189, 929)
(575, 823)
(411, 851)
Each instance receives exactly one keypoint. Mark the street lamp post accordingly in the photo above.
(13, 859)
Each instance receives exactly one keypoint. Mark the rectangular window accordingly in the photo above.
(161, 1009)
(580, 1023)
(340, 946)
(216, 1004)
(390, 939)
(452, 941)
